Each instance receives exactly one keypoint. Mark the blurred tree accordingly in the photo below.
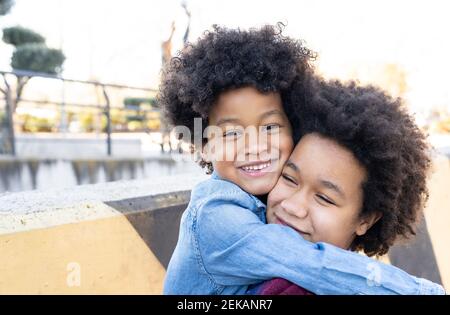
(6, 130)
(30, 54)
(5, 6)
(18, 35)
(135, 102)
(38, 58)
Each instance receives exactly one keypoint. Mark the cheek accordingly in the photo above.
(332, 226)
(280, 148)
(220, 168)
(223, 151)
(230, 151)
(224, 168)
(285, 145)
(277, 195)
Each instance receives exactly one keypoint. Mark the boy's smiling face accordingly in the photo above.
(249, 138)
(320, 193)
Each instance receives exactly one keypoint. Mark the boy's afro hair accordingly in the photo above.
(380, 133)
(225, 59)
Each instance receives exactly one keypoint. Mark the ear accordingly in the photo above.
(367, 222)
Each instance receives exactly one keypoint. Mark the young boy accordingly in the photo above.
(357, 177)
(240, 82)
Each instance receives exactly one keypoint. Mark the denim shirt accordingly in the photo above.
(225, 245)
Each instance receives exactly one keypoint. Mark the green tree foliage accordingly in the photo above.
(5, 6)
(18, 35)
(31, 52)
(137, 101)
(37, 57)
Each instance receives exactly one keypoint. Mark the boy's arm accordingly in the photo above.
(236, 248)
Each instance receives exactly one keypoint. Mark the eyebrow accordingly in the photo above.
(291, 165)
(332, 186)
(325, 183)
(236, 120)
(227, 120)
(270, 113)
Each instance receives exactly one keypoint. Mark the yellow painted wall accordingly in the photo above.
(437, 215)
(107, 254)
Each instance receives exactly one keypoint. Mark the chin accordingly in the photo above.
(257, 190)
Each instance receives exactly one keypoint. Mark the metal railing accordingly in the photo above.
(8, 135)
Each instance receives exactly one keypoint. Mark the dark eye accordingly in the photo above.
(271, 128)
(325, 199)
(289, 179)
(232, 133)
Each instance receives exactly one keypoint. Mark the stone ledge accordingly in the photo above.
(40, 209)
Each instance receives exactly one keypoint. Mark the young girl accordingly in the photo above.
(240, 83)
(357, 177)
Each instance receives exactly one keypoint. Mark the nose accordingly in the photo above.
(255, 144)
(296, 205)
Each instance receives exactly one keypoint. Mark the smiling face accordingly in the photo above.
(250, 139)
(320, 193)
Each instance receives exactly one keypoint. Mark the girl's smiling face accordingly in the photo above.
(320, 193)
(249, 138)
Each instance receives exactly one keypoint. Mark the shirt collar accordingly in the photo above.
(259, 203)
(214, 175)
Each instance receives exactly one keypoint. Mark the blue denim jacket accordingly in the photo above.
(225, 245)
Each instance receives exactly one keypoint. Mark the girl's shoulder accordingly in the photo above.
(216, 192)
(216, 186)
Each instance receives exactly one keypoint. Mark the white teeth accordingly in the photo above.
(256, 167)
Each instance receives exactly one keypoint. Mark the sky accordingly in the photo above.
(119, 41)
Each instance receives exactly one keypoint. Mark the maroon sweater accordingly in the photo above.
(279, 286)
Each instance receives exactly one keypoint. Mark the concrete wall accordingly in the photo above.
(113, 238)
(117, 238)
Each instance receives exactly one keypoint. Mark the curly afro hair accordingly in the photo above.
(384, 138)
(225, 59)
